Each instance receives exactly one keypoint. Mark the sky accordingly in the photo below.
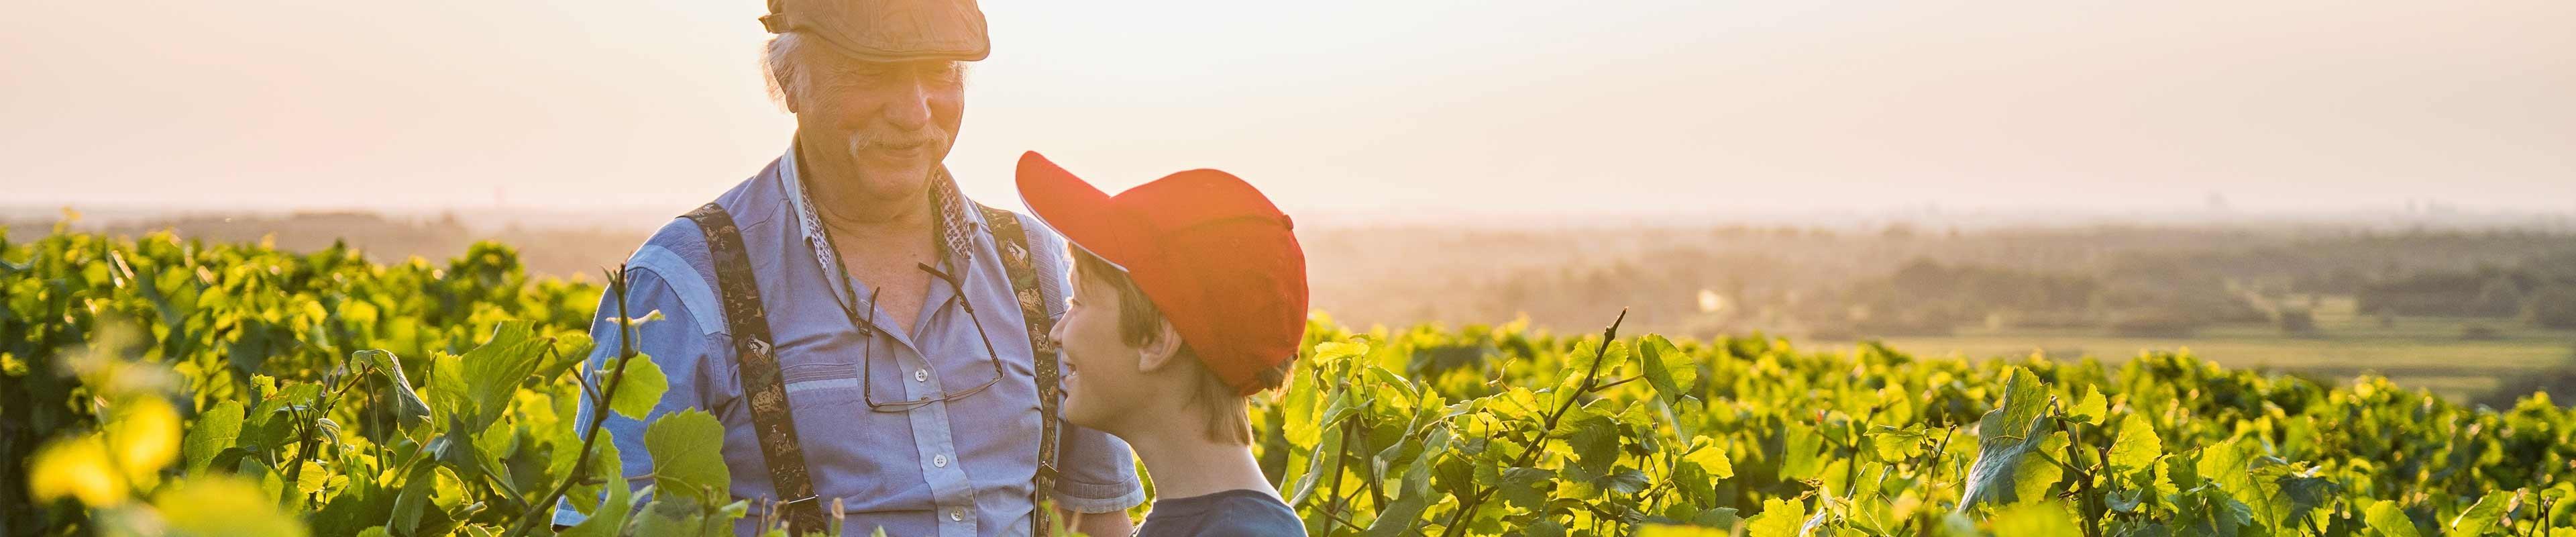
(1421, 107)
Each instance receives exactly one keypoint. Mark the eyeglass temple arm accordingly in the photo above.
(954, 286)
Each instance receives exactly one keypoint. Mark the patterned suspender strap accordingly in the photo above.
(1013, 242)
(758, 369)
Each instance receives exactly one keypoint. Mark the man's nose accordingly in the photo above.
(908, 106)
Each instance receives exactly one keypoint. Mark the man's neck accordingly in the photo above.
(1185, 463)
(848, 210)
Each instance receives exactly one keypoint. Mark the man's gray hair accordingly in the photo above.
(780, 70)
(778, 64)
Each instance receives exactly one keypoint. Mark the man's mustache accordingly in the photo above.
(908, 140)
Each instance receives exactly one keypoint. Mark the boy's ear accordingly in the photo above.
(1159, 353)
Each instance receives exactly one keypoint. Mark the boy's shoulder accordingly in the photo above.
(1233, 513)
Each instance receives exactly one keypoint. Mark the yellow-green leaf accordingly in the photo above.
(215, 430)
(1668, 530)
(143, 433)
(2036, 519)
(2389, 518)
(2089, 408)
(1712, 458)
(217, 506)
(687, 448)
(78, 468)
(639, 389)
(1779, 518)
(2137, 447)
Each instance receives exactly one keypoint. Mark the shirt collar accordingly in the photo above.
(957, 226)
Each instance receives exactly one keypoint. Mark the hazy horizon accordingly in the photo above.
(1680, 108)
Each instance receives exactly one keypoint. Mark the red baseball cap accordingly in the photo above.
(1214, 255)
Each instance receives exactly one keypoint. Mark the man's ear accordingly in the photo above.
(786, 88)
(1159, 353)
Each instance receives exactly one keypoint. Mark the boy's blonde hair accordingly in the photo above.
(1139, 324)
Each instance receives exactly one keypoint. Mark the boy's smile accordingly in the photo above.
(1088, 333)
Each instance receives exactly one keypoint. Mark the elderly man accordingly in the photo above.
(869, 337)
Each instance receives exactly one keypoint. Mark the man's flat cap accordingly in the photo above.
(887, 30)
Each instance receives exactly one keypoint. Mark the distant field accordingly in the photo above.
(2421, 352)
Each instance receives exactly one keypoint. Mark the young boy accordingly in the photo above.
(1189, 295)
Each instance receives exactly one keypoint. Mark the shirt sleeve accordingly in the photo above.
(1097, 473)
(686, 351)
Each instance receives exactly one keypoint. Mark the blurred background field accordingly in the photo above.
(2476, 308)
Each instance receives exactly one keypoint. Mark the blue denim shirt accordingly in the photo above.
(954, 469)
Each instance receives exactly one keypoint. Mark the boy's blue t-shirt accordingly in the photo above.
(1233, 513)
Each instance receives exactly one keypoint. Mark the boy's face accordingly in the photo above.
(1108, 379)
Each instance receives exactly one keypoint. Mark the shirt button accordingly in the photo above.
(956, 515)
(921, 375)
(940, 460)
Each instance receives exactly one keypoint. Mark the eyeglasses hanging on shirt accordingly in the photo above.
(867, 372)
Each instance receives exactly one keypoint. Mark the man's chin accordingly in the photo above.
(905, 170)
(908, 163)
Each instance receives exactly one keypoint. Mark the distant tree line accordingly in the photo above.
(2541, 290)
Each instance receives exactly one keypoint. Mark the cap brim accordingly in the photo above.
(1087, 217)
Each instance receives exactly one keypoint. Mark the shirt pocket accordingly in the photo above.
(821, 386)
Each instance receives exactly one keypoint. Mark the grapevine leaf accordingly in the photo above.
(1801, 450)
(2390, 519)
(419, 485)
(1893, 444)
(1340, 350)
(606, 468)
(1623, 481)
(1582, 359)
(78, 468)
(2209, 511)
(216, 429)
(609, 518)
(2482, 515)
(1711, 458)
(640, 389)
(2305, 492)
(1667, 368)
(143, 434)
(677, 514)
(1718, 517)
(2035, 518)
(1779, 518)
(2090, 408)
(2037, 473)
(1527, 488)
(2005, 436)
(407, 405)
(493, 371)
(1327, 455)
(311, 478)
(217, 506)
(2239, 470)
(449, 397)
(1668, 530)
(1595, 440)
(1299, 404)
(687, 449)
(1413, 495)
(2137, 447)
